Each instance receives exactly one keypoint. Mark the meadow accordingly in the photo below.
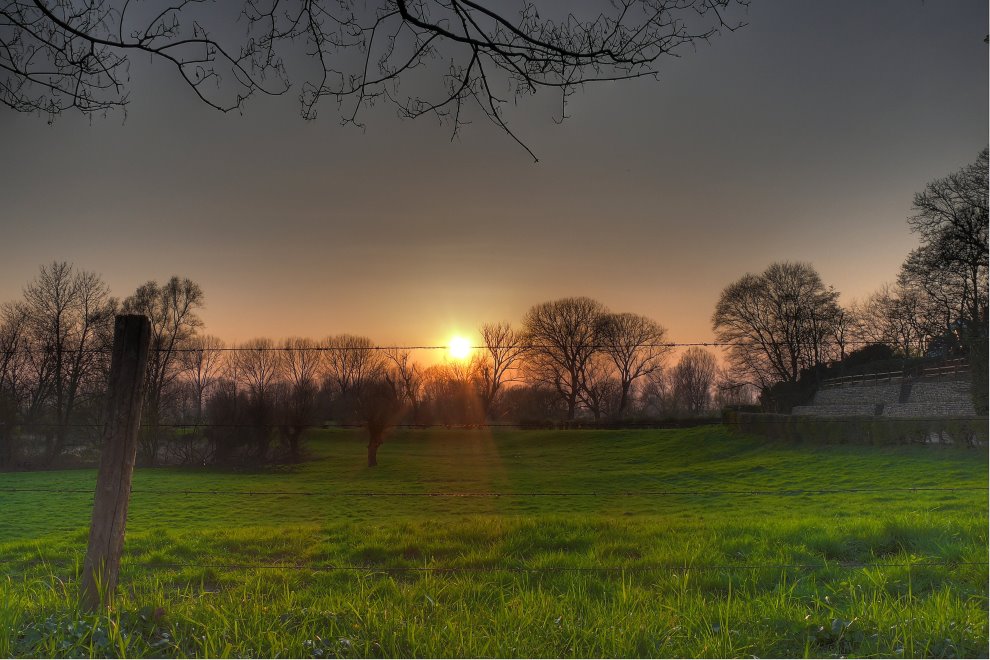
(690, 542)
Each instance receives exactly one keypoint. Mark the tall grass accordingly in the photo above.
(788, 575)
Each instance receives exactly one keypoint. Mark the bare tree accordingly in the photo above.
(504, 348)
(257, 367)
(778, 322)
(300, 366)
(637, 347)
(349, 361)
(13, 377)
(379, 405)
(600, 390)
(408, 377)
(655, 395)
(68, 317)
(730, 392)
(362, 380)
(951, 264)
(203, 364)
(171, 308)
(563, 335)
(894, 316)
(452, 393)
(693, 380)
(57, 55)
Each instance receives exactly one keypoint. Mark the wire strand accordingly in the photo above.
(754, 492)
(432, 347)
(521, 569)
(773, 418)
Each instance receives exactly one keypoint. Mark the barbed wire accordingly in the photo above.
(430, 347)
(754, 492)
(648, 568)
(574, 425)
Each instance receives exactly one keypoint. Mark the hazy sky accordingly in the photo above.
(800, 137)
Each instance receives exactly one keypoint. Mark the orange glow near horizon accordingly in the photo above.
(459, 348)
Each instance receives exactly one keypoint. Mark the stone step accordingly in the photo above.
(938, 392)
(836, 410)
(926, 409)
(856, 395)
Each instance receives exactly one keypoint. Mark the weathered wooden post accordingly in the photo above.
(129, 362)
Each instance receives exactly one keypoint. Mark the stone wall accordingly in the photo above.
(899, 398)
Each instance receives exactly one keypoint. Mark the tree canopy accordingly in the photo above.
(424, 57)
(949, 268)
(778, 323)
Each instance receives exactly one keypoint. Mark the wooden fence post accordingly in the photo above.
(125, 395)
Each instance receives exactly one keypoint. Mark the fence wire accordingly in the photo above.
(610, 569)
(788, 492)
(575, 425)
(322, 348)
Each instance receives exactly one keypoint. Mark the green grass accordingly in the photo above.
(197, 578)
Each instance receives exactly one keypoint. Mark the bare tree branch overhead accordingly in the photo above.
(61, 55)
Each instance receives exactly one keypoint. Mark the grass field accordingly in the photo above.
(603, 543)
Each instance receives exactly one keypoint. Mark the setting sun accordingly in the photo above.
(459, 348)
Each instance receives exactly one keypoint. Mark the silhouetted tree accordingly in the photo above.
(57, 55)
(349, 361)
(778, 322)
(68, 320)
(600, 391)
(379, 405)
(533, 404)
(895, 316)
(202, 365)
(563, 335)
(451, 393)
(258, 368)
(730, 392)
(13, 377)
(637, 347)
(408, 376)
(300, 366)
(693, 380)
(504, 347)
(950, 266)
(226, 412)
(171, 308)
(655, 395)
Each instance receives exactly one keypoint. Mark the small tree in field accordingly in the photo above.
(379, 404)
(296, 398)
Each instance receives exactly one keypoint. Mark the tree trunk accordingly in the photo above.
(149, 437)
(571, 404)
(6, 447)
(53, 446)
(374, 442)
(294, 437)
(261, 444)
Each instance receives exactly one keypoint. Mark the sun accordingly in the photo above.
(459, 347)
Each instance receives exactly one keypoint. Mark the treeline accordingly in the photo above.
(209, 402)
(787, 329)
(567, 360)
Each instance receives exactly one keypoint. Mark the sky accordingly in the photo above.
(802, 136)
